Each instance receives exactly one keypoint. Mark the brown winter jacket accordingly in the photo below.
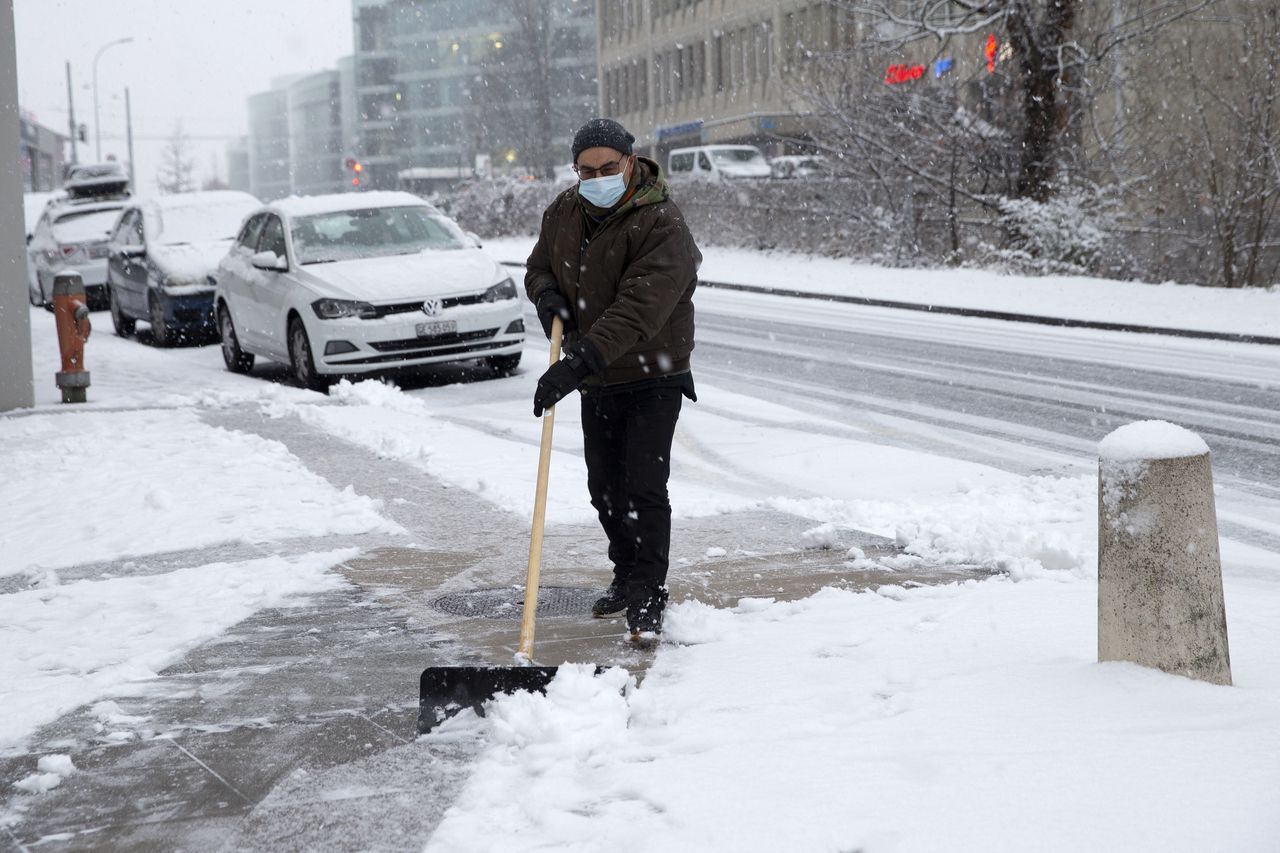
(630, 284)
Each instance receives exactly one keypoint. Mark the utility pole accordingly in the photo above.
(17, 389)
(71, 116)
(128, 125)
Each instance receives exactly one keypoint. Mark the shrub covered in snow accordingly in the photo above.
(499, 207)
(837, 217)
(1067, 233)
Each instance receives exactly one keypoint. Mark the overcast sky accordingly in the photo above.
(194, 60)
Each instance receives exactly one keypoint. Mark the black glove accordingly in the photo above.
(549, 304)
(566, 375)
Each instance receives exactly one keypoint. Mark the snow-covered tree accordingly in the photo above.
(1215, 168)
(177, 165)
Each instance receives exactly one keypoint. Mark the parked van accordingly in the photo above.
(718, 162)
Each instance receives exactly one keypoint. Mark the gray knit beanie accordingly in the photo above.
(602, 133)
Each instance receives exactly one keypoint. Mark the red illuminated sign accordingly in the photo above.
(903, 74)
(990, 52)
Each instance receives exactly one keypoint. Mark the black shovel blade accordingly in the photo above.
(446, 690)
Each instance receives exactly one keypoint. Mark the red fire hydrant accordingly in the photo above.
(71, 312)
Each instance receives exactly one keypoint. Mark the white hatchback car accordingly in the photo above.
(354, 283)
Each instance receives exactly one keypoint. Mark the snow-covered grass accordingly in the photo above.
(970, 717)
(1168, 305)
(68, 645)
(94, 486)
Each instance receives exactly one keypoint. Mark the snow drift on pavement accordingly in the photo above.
(119, 484)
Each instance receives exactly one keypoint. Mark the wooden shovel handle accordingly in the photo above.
(539, 512)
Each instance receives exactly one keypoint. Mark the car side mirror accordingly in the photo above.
(29, 236)
(475, 238)
(270, 261)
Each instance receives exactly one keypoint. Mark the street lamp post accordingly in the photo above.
(97, 124)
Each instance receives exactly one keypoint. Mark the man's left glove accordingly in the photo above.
(567, 375)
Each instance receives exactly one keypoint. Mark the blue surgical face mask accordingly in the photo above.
(603, 192)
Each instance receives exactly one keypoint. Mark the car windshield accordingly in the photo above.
(84, 226)
(372, 233)
(201, 223)
(736, 156)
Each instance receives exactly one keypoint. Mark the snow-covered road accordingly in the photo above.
(1023, 398)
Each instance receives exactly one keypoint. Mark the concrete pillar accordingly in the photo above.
(1160, 598)
(17, 390)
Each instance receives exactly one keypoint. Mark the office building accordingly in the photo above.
(316, 145)
(690, 72)
(238, 164)
(41, 154)
(445, 84)
(269, 168)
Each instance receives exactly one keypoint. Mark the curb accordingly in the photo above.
(1008, 316)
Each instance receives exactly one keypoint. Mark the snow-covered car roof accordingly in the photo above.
(186, 217)
(717, 148)
(60, 206)
(207, 198)
(311, 205)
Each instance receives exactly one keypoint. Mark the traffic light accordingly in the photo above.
(354, 165)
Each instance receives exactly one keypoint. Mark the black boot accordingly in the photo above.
(644, 612)
(613, 602)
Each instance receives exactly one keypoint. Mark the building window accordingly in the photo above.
(734, 63)
(700, 68)
(764, 50)
(657, 79)
(718, 60)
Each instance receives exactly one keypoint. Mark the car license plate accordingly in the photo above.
(436, 328)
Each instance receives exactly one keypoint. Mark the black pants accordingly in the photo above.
(627, 432)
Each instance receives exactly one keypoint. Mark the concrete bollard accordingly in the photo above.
(1160, 598)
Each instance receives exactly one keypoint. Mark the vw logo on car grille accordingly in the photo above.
(431, 307)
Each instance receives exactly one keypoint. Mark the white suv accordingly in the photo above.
(355, 283)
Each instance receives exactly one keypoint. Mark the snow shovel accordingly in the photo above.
(445, 690)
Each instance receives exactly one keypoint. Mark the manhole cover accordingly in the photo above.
(509, 603)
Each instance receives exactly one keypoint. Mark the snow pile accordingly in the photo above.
(1151, 440)
(488, 448)
(555, 740)
(482, 437)
(824, 537)
(69, 645)
(1025, 527)
(967, 718)
(50, 771)
(102, 485)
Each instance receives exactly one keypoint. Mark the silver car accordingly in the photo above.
(71, 236)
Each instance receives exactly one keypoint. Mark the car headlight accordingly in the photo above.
(505, 289)
(334, 309)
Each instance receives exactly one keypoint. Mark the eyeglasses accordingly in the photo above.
(607, 170)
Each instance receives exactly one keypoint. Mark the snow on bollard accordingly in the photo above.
(1159, 574)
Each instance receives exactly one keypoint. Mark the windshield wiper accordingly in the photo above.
(320, 261)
